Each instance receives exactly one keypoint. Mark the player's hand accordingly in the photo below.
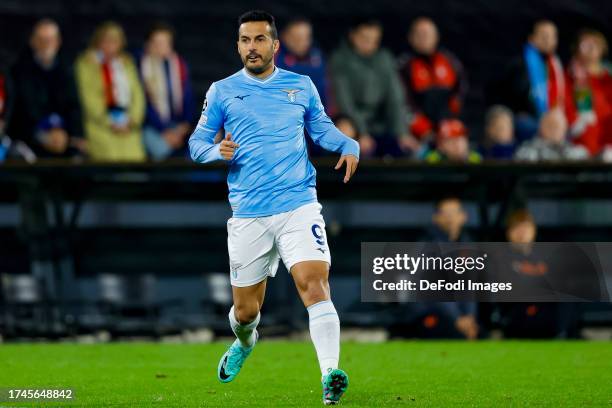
(228, 147)
(351, 165)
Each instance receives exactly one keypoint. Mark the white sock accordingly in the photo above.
(325, 334)
(244, 332)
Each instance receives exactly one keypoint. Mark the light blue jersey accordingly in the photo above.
(270, 172)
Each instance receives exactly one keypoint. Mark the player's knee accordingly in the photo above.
(246, 313)
(315, 291)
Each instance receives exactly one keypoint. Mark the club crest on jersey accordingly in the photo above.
(291, 94)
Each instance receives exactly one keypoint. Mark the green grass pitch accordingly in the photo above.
(394, 374)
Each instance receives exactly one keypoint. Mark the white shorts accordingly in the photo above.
(255, 245)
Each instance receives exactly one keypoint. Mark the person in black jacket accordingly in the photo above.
(532, 83)
(46, 112)
(543, 272)
(429, 318)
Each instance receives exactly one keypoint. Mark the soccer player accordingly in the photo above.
(264, 110)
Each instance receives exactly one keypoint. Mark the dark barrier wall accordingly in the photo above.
(484, 34)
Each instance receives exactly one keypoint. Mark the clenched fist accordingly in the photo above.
(228, 147)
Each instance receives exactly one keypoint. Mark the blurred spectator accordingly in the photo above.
(448, 220)
(10, 149)
(298, 54)
(521, 227)
(46, 112)
(112, 97)
(498, 143)
(170, 107)
(533, 83)
(452, 144)
(590, 92)
(533, 273)
(367, 88)
(433, 79)
(551, 142)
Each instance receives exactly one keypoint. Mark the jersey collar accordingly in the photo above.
(260, 81)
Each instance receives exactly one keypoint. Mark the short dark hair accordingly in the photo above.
(518, 217)
(159, 26)
(259, 15)
(360, 22)
(445, 198)
(295, 21)
(536, 25)
(43, 22)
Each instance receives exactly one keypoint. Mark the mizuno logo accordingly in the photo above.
(321, 249)
(241, 97)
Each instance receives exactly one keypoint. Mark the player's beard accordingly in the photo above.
(256, 70)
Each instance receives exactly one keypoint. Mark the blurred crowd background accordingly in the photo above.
(541, 90)
(445, 81)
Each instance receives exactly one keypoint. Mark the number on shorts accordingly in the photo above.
(317, 231)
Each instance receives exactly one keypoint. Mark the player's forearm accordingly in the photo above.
(336, 141)
(203, 150)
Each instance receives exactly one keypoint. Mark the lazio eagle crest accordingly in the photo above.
(291, 93)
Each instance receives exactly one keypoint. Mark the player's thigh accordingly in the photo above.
(252, 251)
(302, 237)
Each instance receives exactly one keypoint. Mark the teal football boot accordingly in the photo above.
(335, 384)
(233, 359)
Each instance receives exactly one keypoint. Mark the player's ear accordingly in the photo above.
(276, 45)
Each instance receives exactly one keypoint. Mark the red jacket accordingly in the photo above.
(434, 85)
(597, 89)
